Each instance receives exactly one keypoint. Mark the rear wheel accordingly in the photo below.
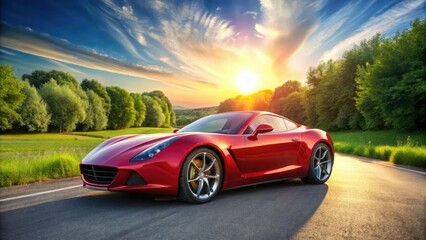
(201, 176)
(320, 166)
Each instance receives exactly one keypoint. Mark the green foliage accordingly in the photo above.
(166, 106)
(281, 92)
(392, 90)
(409, 156)
(331, 88)
(96, 118)
(257, 101)
(55, 166)
(381, 137)
(39, 77)
(98, 89)
(33, 111)
(154, 113)
(63, 104)
(140, 109)
(293, 107)
(123, 113)
(396, 146)
(11, 97)
(187, 116)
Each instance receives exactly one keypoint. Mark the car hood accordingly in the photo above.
(123, 148)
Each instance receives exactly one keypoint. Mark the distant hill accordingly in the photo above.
(179, 107)
(188, 115)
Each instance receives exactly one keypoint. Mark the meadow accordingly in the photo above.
(396, 146)
(26, 158)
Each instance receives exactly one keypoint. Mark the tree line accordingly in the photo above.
(379, 83)
(55, 101)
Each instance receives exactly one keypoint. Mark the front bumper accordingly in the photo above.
(154, 177)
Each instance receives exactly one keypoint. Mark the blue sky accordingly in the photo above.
(194, 51)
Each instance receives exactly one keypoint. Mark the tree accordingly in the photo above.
(330, 97)
(293, 107)
(123, 113)
(63, 104)
(392, 90)
(154, 113)
(166, 106)
(39, 77)
(11, 97)
(140, 109)
(33, 111)
(99, 90)
(229, 105)
(257, 101)
(96, 118)
(281, 92)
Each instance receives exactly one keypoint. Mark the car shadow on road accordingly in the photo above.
(275, 210)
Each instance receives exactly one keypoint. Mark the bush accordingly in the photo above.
(406, 154)
(383, 152)
(413, 156)
(56, 166)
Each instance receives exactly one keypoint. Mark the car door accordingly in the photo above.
(269, 153)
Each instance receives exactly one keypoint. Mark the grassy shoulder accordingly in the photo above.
(401, 147)
(27, 158)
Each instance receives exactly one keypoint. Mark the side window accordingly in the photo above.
(253, 125)
(276, 122)
(290, 125)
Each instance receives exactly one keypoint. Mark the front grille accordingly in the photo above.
(99, 174)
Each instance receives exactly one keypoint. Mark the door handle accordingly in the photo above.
(295, 139)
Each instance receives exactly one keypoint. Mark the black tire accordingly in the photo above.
(195, 172)
(320, 165)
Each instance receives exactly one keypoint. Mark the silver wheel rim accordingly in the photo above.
(203, 175)
(322, 163)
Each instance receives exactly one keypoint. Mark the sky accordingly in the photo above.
(198, 53)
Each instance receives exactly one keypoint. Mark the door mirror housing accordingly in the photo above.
(176, 130)
(262, 128)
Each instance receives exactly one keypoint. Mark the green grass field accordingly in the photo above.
(26, 158)
(396, 146)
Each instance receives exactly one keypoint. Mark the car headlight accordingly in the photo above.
(153, 150)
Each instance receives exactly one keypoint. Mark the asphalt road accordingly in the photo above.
(362, 200)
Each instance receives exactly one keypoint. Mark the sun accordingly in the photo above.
(247, 81)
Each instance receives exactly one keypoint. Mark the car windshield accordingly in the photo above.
(226, 123)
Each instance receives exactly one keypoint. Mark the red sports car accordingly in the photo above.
(214, 153)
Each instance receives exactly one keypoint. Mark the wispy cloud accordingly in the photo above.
(188, 45)
(48, 47)
(2, 50)
(400, 13)
(286, 26)
(67, 68)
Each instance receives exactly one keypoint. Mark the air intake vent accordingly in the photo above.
(99, 174)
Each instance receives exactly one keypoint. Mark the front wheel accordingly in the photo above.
(201, 176)
(320, 165)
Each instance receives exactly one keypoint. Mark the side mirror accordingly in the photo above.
(262, 128)
(176, 130)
